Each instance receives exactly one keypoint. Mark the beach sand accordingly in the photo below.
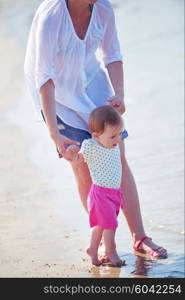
(43, 228)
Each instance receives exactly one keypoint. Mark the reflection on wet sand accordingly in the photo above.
(139, 268)
(142, 266)
(106, 272)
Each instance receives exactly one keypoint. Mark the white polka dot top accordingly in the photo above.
(104, 163)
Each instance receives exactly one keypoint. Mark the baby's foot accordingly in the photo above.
(94, 257)
(102, 253)
(114, 259)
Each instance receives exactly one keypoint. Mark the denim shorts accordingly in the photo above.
(76, 134)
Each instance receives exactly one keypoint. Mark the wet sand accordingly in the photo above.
(43, 228)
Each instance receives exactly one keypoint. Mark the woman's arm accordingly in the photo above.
(116, 75)
(47, 99)
(48, 106)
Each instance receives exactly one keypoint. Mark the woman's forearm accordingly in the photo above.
(116, 75)
(47, 99)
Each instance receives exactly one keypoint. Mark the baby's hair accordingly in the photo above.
(102, 116)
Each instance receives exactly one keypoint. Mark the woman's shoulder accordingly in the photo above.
(50, 10)
(105, 4)
(105, 9)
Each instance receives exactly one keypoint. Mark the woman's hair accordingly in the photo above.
(102, 116)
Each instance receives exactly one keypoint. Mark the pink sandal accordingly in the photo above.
(153, 252)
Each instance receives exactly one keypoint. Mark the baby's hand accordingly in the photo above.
(75, 156)
(79, 158)
(72, 150)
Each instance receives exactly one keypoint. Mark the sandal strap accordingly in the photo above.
(138, 243)
(155, 250)
(152, 250)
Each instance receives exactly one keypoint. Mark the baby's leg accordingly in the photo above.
(110, 248)
(92, 251)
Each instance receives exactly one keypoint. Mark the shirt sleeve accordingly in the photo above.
(86, 150)
(46, 47)
(110, 45)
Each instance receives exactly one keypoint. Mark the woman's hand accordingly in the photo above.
(66, 147)
(117, 102)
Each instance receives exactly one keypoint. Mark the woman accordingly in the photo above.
(67, 82)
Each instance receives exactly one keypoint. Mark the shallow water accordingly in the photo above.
(151, 38)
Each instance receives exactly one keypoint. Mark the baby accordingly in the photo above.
(102, 155)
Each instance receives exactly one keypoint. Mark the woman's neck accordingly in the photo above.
(77, 8)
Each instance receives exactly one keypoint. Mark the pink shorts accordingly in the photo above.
(104, 205)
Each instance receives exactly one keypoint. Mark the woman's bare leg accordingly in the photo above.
(83, 180)
(131, 207)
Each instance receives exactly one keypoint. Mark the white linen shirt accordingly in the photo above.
(104, 163)
(54, 51)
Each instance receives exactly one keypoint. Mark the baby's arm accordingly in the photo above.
(85, 153)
